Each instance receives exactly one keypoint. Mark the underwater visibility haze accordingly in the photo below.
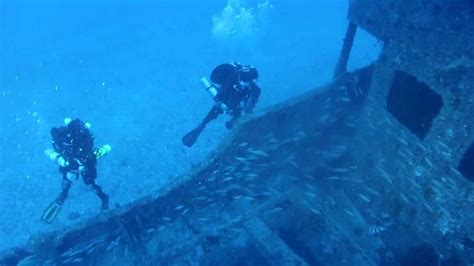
(133, 70)
(232, 132)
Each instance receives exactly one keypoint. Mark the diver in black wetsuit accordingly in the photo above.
(235, 92)
(74, 152)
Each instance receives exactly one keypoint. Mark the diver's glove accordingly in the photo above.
(229, 124)
(246, 107)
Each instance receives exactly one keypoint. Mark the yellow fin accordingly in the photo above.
(51, 212)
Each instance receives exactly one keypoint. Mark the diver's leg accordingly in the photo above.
(65, 186)
(190, 138)
(230, 124)
(89, 174)
(103, 197)
(213, 114)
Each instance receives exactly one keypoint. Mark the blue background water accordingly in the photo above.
(132, 69)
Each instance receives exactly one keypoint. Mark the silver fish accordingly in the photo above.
(243, 144)
(362, 196)
(340, 170)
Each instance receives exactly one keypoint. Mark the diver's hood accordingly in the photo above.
(248, 74)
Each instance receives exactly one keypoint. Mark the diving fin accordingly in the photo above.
(51, 212)
(190, 138)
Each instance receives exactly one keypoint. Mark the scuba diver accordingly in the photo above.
(74, 152)
(234, 91)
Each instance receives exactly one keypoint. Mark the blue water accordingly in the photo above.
(132, 70)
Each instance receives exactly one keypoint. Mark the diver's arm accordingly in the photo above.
(253, 98)
(222, 93)
(222, 98)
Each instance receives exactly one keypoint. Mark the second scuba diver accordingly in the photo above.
(76, 156)
(234, 90)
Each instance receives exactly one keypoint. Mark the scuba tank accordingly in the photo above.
(212, 90)
(100, 152)
(209, 87)
(56, 157)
